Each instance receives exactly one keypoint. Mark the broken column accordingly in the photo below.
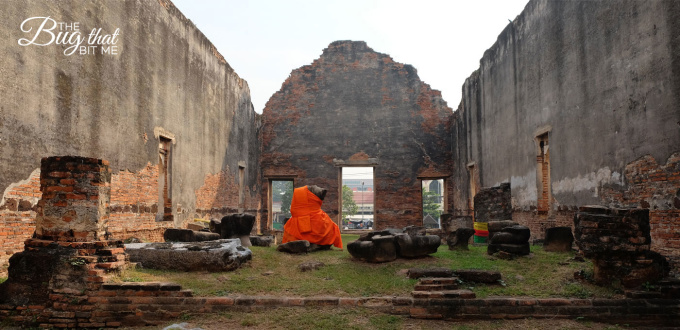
(513, 240)
(238, 225)
(618, 241)
(387, 245)
(75, 199)
(69, 253)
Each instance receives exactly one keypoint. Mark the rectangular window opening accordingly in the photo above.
(164, 180)
(474, 187)
(357, 198)
(433, 202)
(280, 199)
(543, 171)
(241, 189)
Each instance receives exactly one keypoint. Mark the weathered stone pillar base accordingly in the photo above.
(47, 271)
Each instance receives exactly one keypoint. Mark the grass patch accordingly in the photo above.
(3, 279)
(542, 274)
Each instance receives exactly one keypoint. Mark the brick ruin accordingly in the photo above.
(555, 117)
(60, 279)
(618, 241)
(356, 107)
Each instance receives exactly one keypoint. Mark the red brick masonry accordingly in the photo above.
(139, 304)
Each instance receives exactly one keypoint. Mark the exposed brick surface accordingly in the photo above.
(358, 107)
(75, 199)
(219, 196)
(657, 187)
(17, 215)
(115, 306)
(618, 241)
(539, 222)
(493, 204)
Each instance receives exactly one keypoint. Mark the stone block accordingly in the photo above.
(379, 249)
(516, 249)
(478, 276)
(237, 226)
(220, 255)
(294, 247)
(414, 273)
(459, 239)
(188, 235)
(261, 240)
(410, 246)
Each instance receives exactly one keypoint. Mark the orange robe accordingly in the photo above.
(308, 222)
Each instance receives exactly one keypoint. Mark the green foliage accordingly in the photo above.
(349, 207)
(431, 204)
(77, 261)
(283, 191)
(3, 279)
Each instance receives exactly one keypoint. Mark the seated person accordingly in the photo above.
(308, 222)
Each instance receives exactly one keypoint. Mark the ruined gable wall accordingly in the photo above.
(602, 79)
(167, 75)
(360, 107)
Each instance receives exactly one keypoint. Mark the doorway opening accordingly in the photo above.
(433, 202)
(280, 199)
(357, 198)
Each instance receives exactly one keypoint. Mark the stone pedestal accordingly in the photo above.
(75, 199)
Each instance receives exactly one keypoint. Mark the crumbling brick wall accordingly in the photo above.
(493, 203)
(351, 107)
(655, 187)
(17, 216)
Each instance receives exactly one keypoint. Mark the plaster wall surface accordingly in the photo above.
(166, 80)
(600, 80)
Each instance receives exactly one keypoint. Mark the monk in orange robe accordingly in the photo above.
(308, 222)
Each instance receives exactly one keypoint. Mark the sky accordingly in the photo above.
(264, 40)
(357, 173)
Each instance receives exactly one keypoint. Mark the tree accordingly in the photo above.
(283, 191)
(431, 204)
(349, 207)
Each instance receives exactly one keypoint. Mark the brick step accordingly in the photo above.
(438, 280)
(668, 288)
(636, 294)
(462, 294)
(435, 287)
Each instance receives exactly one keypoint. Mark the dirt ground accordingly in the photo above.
(327, 318)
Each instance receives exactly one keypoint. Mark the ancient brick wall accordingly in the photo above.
(656, 187)
(134, 205)
(156, 304)
(17, 215)
(576, 104)
(353, 107)
(220, 195)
